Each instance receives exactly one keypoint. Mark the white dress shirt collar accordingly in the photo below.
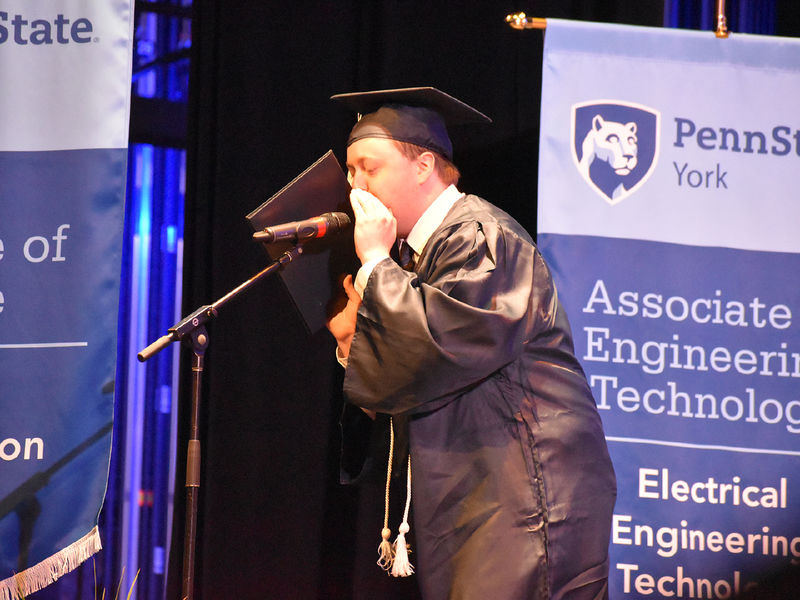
(431, 219)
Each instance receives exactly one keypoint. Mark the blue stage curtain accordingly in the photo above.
(744, 16)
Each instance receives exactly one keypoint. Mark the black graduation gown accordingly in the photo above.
(512, 485)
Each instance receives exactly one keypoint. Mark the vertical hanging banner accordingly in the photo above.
(669, 213)
(65, 73)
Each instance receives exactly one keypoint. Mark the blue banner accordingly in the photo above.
(668, 213)
(65, 71)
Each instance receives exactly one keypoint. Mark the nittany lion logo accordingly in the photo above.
(615, 145)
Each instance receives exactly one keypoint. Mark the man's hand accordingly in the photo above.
(342, 323)
(375, 229)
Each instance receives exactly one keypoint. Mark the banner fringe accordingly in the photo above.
(33, 579)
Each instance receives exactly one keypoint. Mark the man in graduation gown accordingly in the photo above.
(512, 486)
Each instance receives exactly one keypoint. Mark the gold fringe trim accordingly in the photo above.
(46, 572)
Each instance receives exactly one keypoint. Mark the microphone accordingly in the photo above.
(296, 231)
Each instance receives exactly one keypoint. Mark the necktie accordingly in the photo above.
(406, 256)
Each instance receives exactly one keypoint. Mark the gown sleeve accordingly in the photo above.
(478, 294)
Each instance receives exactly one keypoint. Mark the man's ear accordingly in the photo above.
(426, 165)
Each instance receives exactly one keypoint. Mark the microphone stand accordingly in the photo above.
(192, 330)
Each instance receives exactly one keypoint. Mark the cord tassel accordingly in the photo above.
(385, 548)
(386, 551)
(402, 567)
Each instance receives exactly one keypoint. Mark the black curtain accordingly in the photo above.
(273, 520)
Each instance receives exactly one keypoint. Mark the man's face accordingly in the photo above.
(378, 166)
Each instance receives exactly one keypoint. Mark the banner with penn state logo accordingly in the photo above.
(669, 213)
(65, 73)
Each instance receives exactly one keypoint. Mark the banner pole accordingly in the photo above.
(522, 21)
(722, 21)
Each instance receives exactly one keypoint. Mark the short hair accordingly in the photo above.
(445, 169)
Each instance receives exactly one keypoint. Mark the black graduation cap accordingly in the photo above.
(313, 278)
(418, 115)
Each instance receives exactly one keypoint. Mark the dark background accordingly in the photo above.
(273, 520)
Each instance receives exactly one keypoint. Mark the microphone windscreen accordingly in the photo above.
(337, 221)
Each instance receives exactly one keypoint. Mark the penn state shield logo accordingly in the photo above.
(615, 145)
